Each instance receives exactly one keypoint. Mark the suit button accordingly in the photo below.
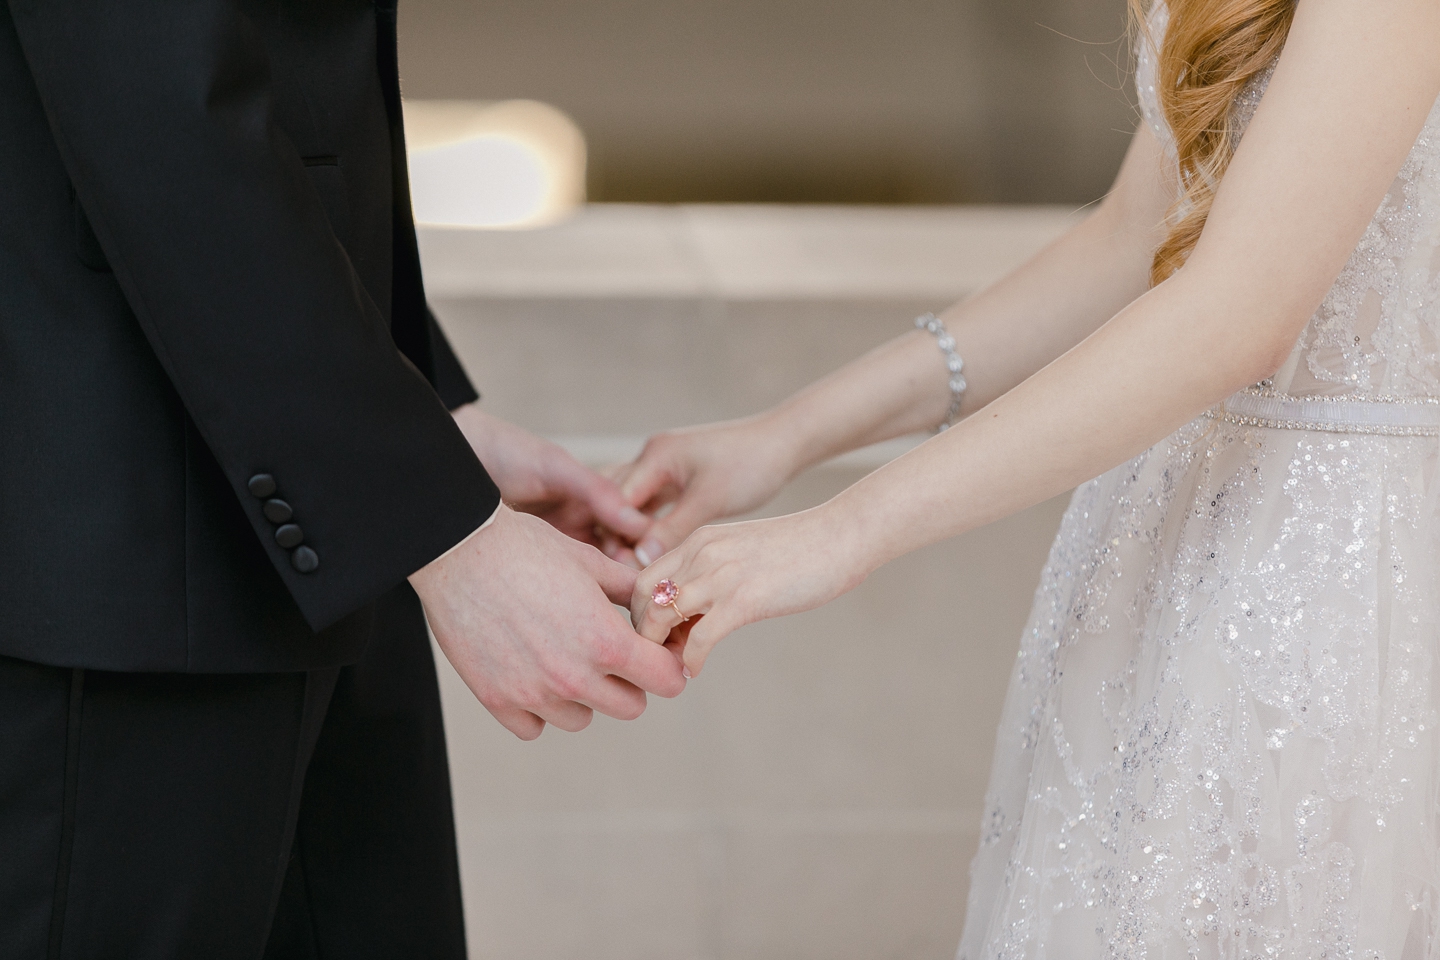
(277, 511)
(305, 560)
(290, 535)
(262, 485)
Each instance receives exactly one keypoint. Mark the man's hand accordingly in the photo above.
(524, 614)
(538, 477)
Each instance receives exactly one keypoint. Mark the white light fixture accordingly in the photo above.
(505, 164)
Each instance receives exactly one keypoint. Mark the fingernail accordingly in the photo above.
(631, 515)
(685, 672)
(650, 551)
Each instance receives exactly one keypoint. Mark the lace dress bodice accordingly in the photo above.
(1377, 334)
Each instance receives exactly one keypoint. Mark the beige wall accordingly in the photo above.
(875, 101)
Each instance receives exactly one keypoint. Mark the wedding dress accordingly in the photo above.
(1220, 737)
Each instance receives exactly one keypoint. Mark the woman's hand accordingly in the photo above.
(740, 573)
(702, 473)
(538, 477)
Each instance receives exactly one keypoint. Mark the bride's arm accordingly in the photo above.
(1348, 99)
(1004, 335)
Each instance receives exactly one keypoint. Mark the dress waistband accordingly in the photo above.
(1401, 417)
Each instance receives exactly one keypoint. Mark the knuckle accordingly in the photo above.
(656, 446)
(499, 700)
(610, 655)
(531, 701)
(567, 686)
(535, 693)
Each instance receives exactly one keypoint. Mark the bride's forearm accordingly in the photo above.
(1004, 336)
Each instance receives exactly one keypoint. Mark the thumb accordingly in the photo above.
(616, 579)
(704, 633)
(670, 531)
(648, 476)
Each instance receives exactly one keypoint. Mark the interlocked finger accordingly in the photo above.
(566, 715)
(615, 697)
(522, 723)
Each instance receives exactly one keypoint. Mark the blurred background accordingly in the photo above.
(638, 215)
(802, 101)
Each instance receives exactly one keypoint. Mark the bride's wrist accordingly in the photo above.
(779, 442)
(849, 548)
(800, 437)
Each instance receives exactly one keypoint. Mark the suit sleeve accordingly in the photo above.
(447, 376)
(162, 113)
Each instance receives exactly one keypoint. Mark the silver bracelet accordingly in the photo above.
(953, 363)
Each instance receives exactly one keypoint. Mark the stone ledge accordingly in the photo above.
(631, 318)
(742, 252)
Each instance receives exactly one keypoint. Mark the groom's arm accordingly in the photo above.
(162, 113)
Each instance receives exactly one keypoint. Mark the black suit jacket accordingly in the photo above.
(208, 274)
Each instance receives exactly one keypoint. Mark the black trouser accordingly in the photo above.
(235, 816)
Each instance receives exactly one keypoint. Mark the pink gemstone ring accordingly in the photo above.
(665, 594)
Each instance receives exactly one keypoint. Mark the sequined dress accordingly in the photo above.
(1220, 736)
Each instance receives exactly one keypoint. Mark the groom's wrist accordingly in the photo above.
(423, 573)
